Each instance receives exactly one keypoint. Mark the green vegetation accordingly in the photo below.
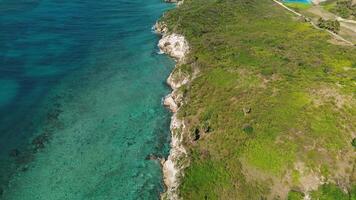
(273, 93)
(248, 129)
(343, 8)
(332, 25)
(330, 192)
(295, 195)
(298, 6)
(352, 191)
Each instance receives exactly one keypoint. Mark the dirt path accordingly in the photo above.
(320, 12)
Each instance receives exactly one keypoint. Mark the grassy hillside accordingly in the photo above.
(273, 104)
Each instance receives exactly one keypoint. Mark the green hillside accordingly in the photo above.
(273, 104)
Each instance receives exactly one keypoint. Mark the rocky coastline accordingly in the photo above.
(176, 46)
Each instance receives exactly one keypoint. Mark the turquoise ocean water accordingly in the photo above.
(298, 1)
(80, 99)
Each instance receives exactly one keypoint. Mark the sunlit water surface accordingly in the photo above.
(80, 99)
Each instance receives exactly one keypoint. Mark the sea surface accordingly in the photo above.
(298, 1)
(81, 86)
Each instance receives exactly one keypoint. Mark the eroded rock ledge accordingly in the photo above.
(177, 47)
(175, 1)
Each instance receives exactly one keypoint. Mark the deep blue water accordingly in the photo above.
(80, 99)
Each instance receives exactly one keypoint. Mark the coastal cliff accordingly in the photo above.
(175, 1)
(177, 47)
(263, 104)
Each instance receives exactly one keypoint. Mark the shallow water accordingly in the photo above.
(80, 99)
(298, 1)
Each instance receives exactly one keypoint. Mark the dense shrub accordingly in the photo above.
(345, 8)
(329, 192)
(295, 195)
(332, 25)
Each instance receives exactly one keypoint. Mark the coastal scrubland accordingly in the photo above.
(271, 112)
(343, 8)
(333, 15)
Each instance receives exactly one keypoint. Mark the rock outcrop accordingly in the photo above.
(177, 47)
(175, 1)
(174, 45)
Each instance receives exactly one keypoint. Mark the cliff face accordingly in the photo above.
(178, 2)
(173, 1)
(177, 47)
(174, 45)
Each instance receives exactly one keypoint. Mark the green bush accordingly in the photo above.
(332, 25)
(353, 142)
(344, 8)
(329, 192)
(248, 129)
(295, 195)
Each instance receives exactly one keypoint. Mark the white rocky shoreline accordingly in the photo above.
(176, 46)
